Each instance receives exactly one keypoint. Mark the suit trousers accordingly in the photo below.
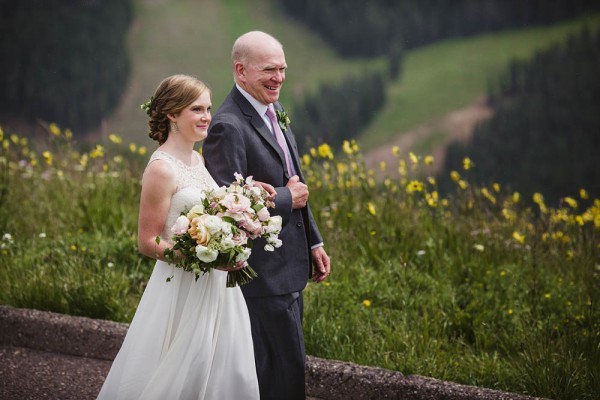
(279, 351)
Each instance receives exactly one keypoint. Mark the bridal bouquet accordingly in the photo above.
(219, 232)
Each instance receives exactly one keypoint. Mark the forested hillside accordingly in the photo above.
(545, 134)
(370, 28)
(63, 62)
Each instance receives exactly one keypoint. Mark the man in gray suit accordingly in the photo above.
(242, 139)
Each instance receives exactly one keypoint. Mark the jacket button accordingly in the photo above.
(299, 224)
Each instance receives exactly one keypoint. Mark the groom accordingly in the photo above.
(242, 138)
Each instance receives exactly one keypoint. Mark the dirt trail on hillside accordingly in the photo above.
(458, 126)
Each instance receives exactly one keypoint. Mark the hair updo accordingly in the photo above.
(172, 96)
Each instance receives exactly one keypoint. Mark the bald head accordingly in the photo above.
(247, 45)
(259, 65)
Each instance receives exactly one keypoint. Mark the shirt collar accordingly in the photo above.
(260, 108)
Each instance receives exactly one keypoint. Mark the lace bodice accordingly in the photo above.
(190, 183)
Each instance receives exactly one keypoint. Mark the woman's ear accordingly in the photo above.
(172, 117)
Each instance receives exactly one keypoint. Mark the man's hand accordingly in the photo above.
(320, 260)
(268, 188)
(299, 192)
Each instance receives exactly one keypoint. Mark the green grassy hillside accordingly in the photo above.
(194, 37)
(449, 75)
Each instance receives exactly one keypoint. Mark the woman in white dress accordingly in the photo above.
(188, 339)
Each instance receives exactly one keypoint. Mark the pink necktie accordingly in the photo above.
(280, 139)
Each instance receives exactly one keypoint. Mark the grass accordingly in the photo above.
(483, 288)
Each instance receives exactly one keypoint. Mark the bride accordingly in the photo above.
(188, 339)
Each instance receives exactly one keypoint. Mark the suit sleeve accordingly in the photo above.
(224, 153)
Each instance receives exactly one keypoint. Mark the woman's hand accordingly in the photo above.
(238, 265)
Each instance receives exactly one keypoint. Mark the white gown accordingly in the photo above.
(188, 339)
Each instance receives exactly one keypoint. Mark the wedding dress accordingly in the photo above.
(188, 339)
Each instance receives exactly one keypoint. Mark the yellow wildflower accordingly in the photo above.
(132, 147)
(382, 165)
(115, 138)
(14, 138)
(571, 202)
(455, 176)
(414, 186)
(54, 129)
(371, 208)
(486, 193)
(428, 160)
(413, 158)
(97, 152)
(325, 151)
(396, 151)
(306, 160)
(431, 199)
(48, 157)
(366, 303)
(5, 144)
(539, 200)
(516, 197)
(463, 184)
(583, 194)
(142, 150)
(68, 134)
(518, 237)
(313, 152)
(1, 134)
(431, 180)
(496, 187)
(467, 163)
(347, 147)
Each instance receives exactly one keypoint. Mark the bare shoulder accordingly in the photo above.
(159, 172)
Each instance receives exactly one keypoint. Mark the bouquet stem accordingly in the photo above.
(241, 276)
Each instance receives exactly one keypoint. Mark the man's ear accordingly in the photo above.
(240, 70)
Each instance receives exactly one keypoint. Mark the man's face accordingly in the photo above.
(262, 75)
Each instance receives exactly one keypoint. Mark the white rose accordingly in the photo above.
(214, 224)
(227, 243)
(263, 214)
(244, 255)
(196, 211)
(205, 254)
(273, 242)
(275, 223)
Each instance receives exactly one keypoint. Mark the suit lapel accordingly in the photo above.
(259, 125)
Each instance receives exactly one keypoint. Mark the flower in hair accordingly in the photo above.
(147, 106)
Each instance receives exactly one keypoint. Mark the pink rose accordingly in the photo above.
(181, 225)
(235, 203)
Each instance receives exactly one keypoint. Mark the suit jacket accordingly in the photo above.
(239, 141)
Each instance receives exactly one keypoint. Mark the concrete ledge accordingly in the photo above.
(325, 379)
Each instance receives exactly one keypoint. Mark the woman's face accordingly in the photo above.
(193, 121)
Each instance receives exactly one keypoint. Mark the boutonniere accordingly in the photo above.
(283, 120)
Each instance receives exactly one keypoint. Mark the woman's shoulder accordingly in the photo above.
(160, 166)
